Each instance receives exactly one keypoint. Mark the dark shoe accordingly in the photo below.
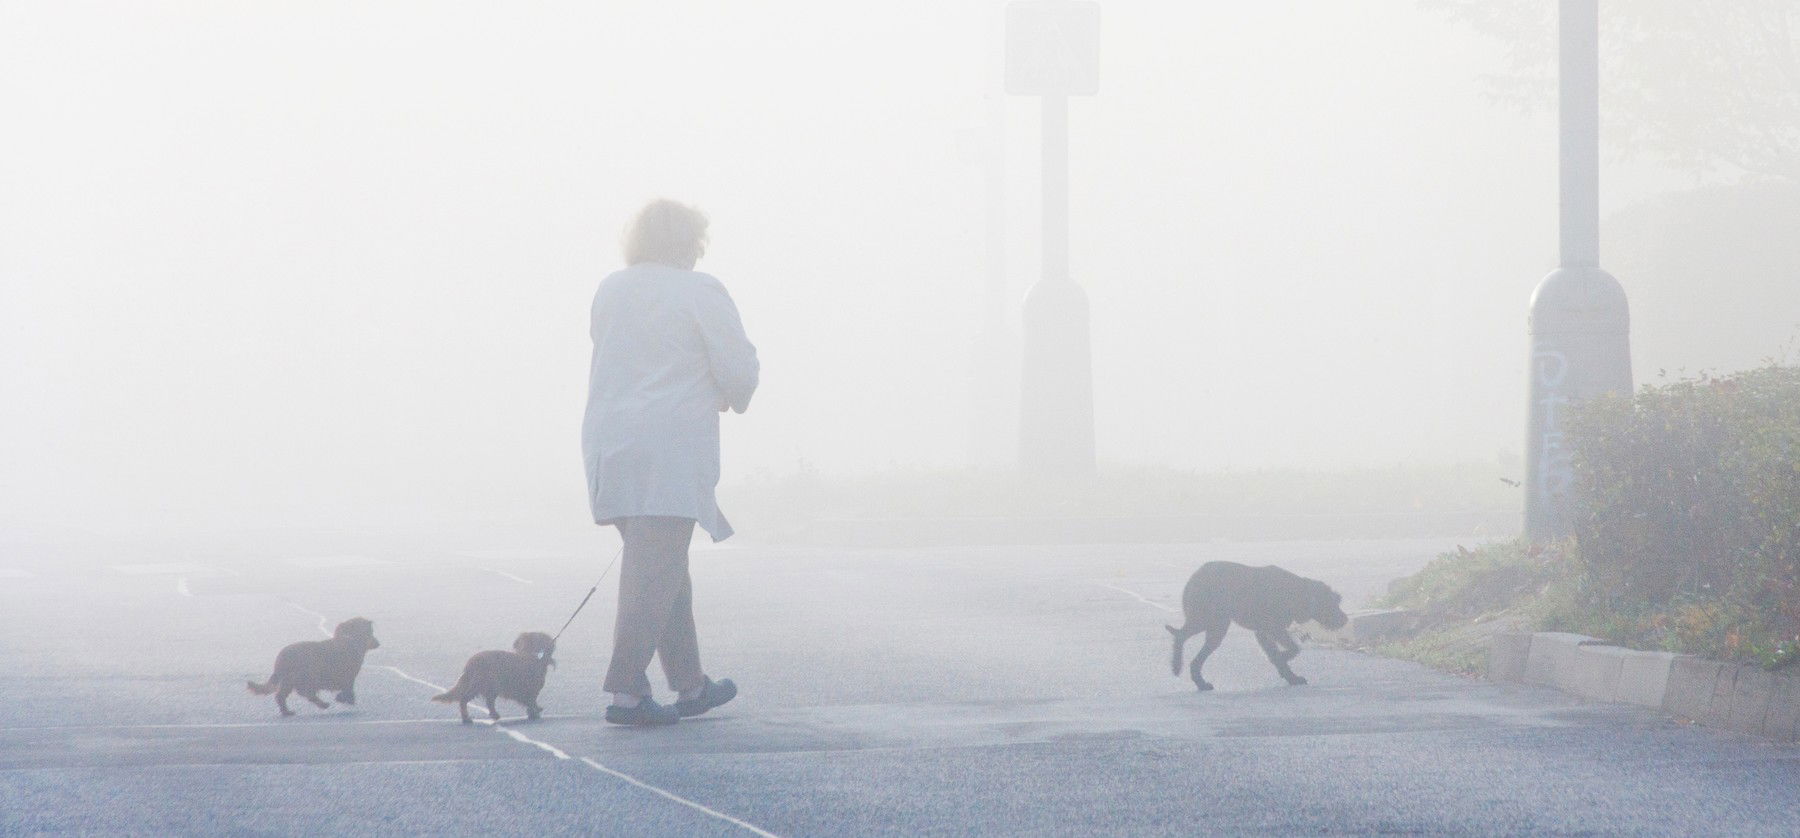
(712, 695)
(647, 712)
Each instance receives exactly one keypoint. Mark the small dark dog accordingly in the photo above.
(312, 665)
(518, 675)
(1265, 600)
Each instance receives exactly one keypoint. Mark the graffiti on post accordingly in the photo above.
(1556, 472)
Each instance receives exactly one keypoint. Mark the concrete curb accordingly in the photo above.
(1740, 697)
(1365, 628)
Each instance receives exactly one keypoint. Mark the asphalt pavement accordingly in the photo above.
(941, 691)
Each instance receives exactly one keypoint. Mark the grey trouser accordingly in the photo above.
(656, 607)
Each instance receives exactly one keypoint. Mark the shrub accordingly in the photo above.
(1688, 513)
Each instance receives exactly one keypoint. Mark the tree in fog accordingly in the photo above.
(1700, 85)
(1712, 89)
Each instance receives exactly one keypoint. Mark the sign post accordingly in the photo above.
(1052, 51)
(1580, 323)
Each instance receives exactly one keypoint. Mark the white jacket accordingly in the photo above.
(670, 355)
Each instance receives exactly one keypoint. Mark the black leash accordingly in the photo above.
(590, 593)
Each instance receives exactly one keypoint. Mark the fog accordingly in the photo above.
(297, 263)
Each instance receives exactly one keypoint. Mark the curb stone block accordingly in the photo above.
(1370, 626)
(1552, 653)
(1593, 672)
(1692, 684)
(1783, 720)
(1364, 628)
(1741, 697)
(1507, 652)
(1750, 694)
(1718, 709)
(1644, 677)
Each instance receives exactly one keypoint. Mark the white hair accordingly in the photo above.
(667, 232)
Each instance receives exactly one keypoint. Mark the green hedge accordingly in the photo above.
(1688, 521)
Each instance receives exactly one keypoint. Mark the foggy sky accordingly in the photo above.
(290, 262)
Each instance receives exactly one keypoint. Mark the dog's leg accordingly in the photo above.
(1215, 634)
(281, 699)
(313, 696)
(492, 713)
(1291, 649)
(533, 711)
(1272, 647)
(346, 696)
(1179, 636)
(464, 707)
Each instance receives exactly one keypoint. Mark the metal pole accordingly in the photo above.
(1056, 188)
(993, 387)
(1579, 97)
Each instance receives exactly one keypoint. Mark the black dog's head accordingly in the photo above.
(536, 644)
(357, 628)
(1326, 605)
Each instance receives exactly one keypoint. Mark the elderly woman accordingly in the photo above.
(670, 355)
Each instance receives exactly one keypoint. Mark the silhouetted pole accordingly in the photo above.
(1057, 44)
(1580, 324)
(993, 397)
(1056, 418)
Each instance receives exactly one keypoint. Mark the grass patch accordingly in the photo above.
(1466, 596)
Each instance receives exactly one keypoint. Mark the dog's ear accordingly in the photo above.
(536, 644)
(1323, 598)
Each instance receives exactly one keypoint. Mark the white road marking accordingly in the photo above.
(748, 827)
(169, 568)
(181, 587)
(1137, 596)
(328, 562)
(324, 624)
(520, 579)
(402, 673)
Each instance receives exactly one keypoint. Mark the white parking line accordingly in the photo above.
(160, 568)
(564, 755)
(748, 827)
(324, 624)
(520, 579)
(333, 562)
(1137, 596)
(181, 587)
(402, 673)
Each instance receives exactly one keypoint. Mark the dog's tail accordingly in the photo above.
(454, 694)
(1180, 636)
(261, 689)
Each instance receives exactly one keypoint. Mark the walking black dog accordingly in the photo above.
(1265, 600)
